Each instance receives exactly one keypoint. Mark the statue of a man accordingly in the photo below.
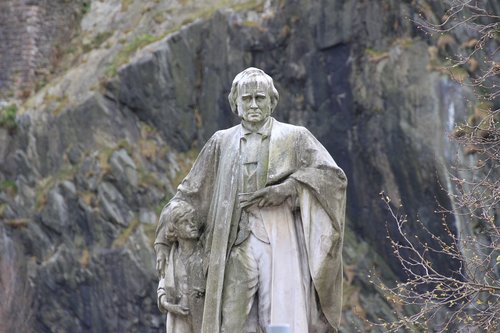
(274, 202)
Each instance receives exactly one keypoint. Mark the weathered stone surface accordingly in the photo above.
(354, 72)
(55, 214)
(124, 172)
(334, 25)
(113, 204)
(4, 142)
(147, 216)
(123, 298)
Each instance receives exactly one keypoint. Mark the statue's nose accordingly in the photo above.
(254, 104)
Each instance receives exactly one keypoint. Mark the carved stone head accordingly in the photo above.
(247, 90)
(182, 222)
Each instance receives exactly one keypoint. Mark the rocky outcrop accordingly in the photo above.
(85, 174)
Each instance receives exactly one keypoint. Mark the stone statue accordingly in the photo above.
(274, 202)
(181, 289)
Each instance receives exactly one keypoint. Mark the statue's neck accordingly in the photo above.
(253, 126)
(186, 246)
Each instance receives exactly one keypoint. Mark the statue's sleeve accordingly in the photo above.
(196, 188)
(161, 291)
(318, 172)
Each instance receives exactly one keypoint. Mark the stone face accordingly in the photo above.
(78, 208)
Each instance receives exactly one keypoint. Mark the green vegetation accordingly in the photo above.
(150, 232)
(2, 210)
(62, 103)
(479, 126)
(458, 73)
(86, 7)
(141, 41)
(105, 154)
(376, 55)
(404, 42)
(42, 82)
(57, 103)
(125, 4)
(128, 50)
(147, 179)
(250, 24)
(8, 117)
(97, 41)
(159, 17)
(46, 184)
(17, 223)
(162, 203)
(85, 258)
(121, 240)
(208, 12)
(8, 186)
(252, 4)
(185, 160)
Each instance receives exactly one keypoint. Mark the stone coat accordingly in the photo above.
(212, 184)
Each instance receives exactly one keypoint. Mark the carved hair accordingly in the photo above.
(177, 211)
(248, 74)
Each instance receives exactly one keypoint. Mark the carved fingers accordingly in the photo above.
(178, 309)
(173, 308)
(247, 200)
(273, 196)
(269, 196)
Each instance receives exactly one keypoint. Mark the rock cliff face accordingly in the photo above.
(98, 151)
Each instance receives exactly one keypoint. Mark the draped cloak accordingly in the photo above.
(212, 188)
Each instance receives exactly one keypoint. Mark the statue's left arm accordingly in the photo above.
(322, 200)
(318, 173)
(314, 169)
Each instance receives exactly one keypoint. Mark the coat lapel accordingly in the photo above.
(282, 153)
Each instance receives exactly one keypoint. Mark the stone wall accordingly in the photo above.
(32, 38)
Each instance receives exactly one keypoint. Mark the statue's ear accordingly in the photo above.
(274, 103)
(233, 105)
(232, 97)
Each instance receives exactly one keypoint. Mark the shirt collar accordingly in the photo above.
(264, 131)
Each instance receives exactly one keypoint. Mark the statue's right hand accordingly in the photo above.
(161, 259)
(173, 308)
(177, 309)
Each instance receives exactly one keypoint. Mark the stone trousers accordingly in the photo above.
(246, 297)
